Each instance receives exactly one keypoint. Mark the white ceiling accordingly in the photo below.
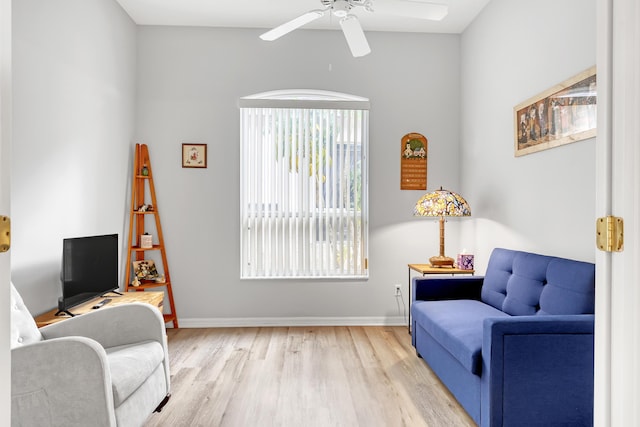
(271, 13)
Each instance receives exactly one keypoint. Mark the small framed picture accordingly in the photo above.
(194, 155)
(145, 269)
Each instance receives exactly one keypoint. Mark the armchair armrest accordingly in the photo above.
(61, 381)
(118, 325)
(113, 326)
(538, 367)
(443, 288)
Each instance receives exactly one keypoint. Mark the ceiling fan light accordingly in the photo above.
(340, 8)
(294, 24)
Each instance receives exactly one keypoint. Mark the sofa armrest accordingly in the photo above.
(63, 381)
(441, 288)
(538, 367)
(113, 326)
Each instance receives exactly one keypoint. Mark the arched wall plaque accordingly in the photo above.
(413, 162)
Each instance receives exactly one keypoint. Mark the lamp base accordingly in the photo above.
(441, 261)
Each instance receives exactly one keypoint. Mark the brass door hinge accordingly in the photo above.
(610, 234)
(5, 233)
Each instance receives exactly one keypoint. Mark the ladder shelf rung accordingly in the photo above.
(139, 249)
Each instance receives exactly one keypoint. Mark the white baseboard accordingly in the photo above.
(290, 321)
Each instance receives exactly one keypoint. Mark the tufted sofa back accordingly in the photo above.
(523, 283)
(23, 328)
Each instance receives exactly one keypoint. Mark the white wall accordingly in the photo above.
(543, 202)
(189, 81)
(73, 121)
(75, 92)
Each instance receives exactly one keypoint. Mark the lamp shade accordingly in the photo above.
(441, 203)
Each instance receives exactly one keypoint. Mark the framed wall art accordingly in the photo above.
(194, 155)
(560, 115)
(413, 162)
(145, 269)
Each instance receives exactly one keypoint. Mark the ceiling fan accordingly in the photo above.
(351, 25)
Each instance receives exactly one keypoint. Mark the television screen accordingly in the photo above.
(89, 268)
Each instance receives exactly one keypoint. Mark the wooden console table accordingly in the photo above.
(154, 298)
(427, 269)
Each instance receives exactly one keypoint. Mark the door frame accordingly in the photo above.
(617, 348)
(5, 174)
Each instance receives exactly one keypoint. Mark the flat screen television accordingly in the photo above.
(89, 269)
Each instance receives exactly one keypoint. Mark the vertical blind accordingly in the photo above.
(303, 191)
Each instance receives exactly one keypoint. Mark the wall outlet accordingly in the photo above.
(398, 289)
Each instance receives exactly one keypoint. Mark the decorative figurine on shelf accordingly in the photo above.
(136, 282)
(143, 208)
(145, 170)
(146, 241)
(160, 279)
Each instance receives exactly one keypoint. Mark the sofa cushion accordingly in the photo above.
(570, 288)
(461, 334)
(131, 365)
(523, 283)
(526, 283)
(499, 270)
(514, 281)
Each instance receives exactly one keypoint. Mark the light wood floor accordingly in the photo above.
(303, 377)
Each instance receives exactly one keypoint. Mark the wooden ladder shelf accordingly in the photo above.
(138, 279)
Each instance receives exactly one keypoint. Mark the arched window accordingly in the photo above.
(303, 185)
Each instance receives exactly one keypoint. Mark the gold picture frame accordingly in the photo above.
(194, 155)
(145, 269)
(560, 115)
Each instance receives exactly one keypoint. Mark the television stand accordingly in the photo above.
(64, 313)
(62, 309)
(155, 298)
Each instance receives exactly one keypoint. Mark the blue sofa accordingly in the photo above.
(515, 347)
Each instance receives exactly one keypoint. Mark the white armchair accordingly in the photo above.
(109, 367)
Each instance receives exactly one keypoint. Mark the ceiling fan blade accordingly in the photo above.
(412, 9)
(294, 24)
(355, 36)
